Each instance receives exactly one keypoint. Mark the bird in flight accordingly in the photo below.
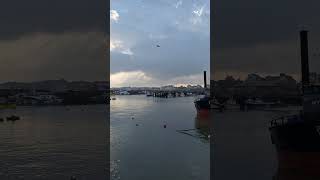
(158, 45)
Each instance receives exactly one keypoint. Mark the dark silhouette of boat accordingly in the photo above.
(297, 137)
(13, 118)
(202, 103)
(149, 94)
(205, 102)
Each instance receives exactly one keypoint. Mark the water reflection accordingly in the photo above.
(151, 150)
(202, 122)
(201, 130)
(54, 143)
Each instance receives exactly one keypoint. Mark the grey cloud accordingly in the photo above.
(21, 17)
(243, 23)
(262, 36)
(41, 56)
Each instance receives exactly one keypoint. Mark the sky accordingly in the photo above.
(262, 37)
(53, 39)
(179, 27)
(56, 39)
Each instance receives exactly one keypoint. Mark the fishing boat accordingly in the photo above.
(202, 103)
(297, 137)
(206, 102)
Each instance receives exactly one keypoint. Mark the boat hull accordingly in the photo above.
(298, 151)
(202, 104)
(300, 137)
(293, 165)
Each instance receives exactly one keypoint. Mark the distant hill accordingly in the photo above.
(57, 85)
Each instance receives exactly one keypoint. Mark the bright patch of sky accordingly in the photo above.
(114, 16)
(161, 42)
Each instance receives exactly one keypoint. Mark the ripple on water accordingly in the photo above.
(115, 169)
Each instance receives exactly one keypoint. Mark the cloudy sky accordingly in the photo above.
(179, 27)
(66, 39)
(53, 39)
(263, 36)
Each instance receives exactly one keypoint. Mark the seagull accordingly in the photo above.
(158, 45)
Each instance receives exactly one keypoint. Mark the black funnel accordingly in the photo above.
(304, 57)
(205, 79)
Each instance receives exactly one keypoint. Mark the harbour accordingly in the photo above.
(292, 149)
(152, 150)
(54, 142)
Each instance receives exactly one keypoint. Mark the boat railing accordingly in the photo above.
(283, 120)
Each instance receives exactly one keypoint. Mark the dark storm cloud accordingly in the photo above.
(244, 23)
(42, 56)
(52, 39)
(263, 36)
(21, 17)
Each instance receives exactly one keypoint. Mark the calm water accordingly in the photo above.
(242, 146)
(58, 142)
(142, 149)
(54, 143)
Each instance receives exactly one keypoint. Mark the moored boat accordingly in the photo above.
(202, 103)
(297, 137)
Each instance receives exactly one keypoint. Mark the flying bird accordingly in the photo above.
(158, 45)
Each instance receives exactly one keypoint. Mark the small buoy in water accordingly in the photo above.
(132, 117)
(137, 124)
(165, 126)
(208, 136)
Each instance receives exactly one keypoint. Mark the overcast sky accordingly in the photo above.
(179, 27)
(52, 39)
(263, 36)
(66, 39)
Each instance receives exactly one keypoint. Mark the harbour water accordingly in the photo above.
(243, 147)
(147, 141)
(142, 148)
(54, 142)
